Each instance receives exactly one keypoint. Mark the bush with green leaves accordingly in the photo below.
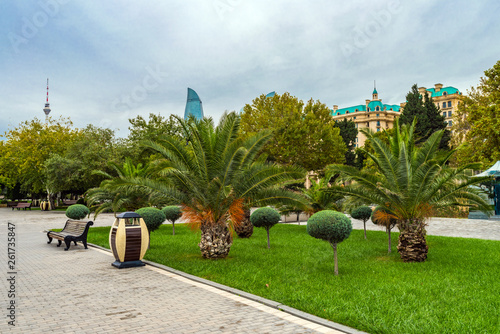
(383, 217)
(153, 217)
(77, 211)
(331, 226)
(362, 213)
(172, 213)
(81, 200)
(266, 218)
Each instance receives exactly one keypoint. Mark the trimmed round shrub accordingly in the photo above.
(331, 226)
(172, 213)
(265, 217)
(77, 211)
(362, 213)
(153, 217)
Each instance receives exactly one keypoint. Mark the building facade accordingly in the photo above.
(194, 107)
(375, 115)
(446, 98)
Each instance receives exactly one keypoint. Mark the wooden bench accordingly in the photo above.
(23, 206)
(69, 201)
(11, 204)
(74, 230)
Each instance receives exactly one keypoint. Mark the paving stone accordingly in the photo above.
(78, 291)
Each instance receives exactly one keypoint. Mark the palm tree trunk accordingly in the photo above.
(216, 241)
(173, 228)
(412, 246)
(245, 229)
(364, 226)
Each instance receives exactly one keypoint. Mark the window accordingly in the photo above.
(449, 123)
(368, 109)
(378, 129)
(356, 110)
(444, 104)
(444, 93)
(377, 115)
(347, 112)
(449, 113)
(377, 109)
(449, 104)
(356, 139)
(356, 125)
(378, 123)
(367, 124)
(354, 117)
(444, 113)
(390, 109)
(338, 113)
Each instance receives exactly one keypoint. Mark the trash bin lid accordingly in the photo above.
(128, 214)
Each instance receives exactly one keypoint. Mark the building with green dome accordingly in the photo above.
(377, 116)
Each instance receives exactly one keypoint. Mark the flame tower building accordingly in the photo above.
(46, 110)
(194, 106)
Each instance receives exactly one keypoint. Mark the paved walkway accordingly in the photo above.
(78, 291)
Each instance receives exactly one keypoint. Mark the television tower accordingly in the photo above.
(46, 110)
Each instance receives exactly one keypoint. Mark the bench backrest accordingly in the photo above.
(77, 227)
(23, 205)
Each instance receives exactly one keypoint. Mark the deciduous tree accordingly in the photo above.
(477, 122)
(304, 135)
(28, 146)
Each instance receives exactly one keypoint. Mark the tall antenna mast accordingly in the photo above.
(46, 110)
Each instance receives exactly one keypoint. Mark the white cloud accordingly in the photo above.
(96, 53)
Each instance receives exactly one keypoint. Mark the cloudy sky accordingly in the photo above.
(112, 60)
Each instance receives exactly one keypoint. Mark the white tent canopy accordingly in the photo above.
(492, 171)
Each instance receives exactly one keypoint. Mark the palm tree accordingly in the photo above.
(214, 174)
(110, 196)
(316, 198)
(319, 198)
(410, 182)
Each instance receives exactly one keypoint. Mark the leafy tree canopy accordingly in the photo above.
(93, 149)
(304, 135)
(477, 123)
(28, 146)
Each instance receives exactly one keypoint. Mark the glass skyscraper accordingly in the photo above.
(193, 105)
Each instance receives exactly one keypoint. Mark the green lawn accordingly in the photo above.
(456, 291)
